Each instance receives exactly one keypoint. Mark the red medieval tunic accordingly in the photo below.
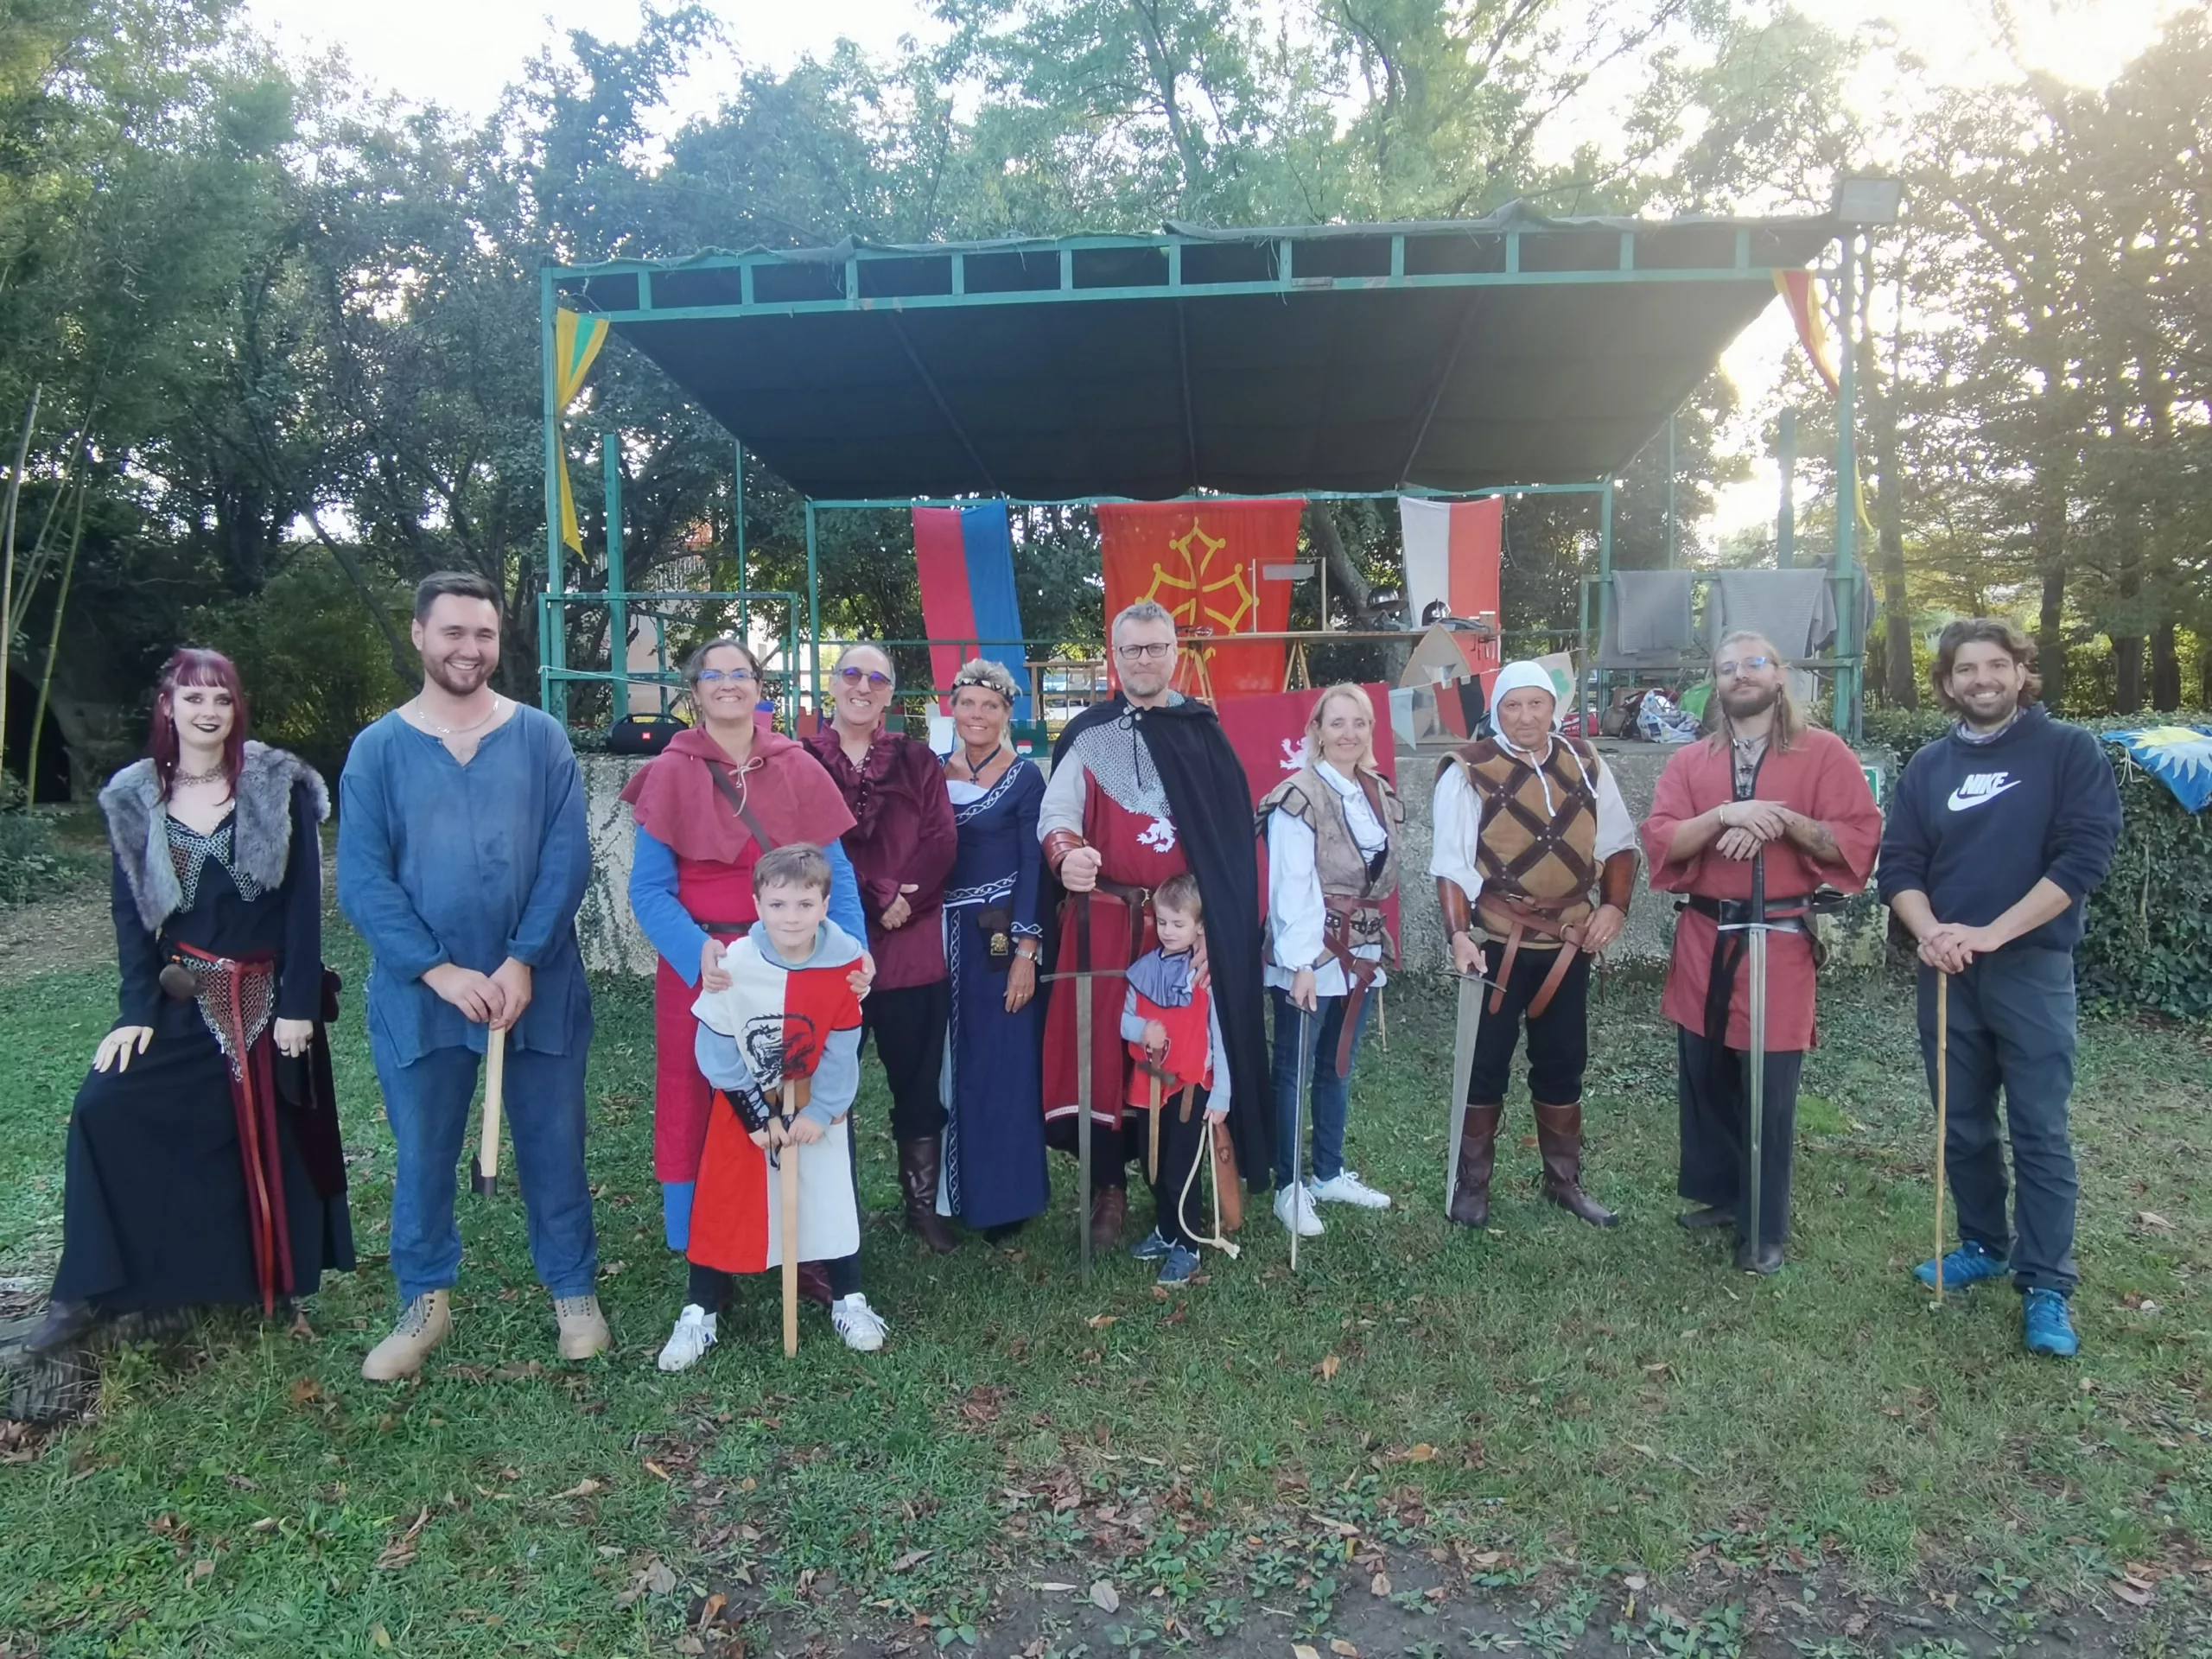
(1820, 777)
(1125, 816)
(676, 802)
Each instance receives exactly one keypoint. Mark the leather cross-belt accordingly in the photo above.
(1137, 901)
(1338, 914)
(1523, 918)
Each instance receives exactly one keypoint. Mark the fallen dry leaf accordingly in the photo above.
(1300, 1650)
(1330, 1366)
(713, 1609)
(655, 1470)
(2151, 1219)
(306, 1391)
(1344, 1649)
(1105, 1597)
(1100, 1321)
(1422, 1453)
(202, 1568)
(660, 1578)
(400, 1552)
(379, 1637)
(2131, 1596)
(1379, 1585)
(585, 1488)
(911, 1559)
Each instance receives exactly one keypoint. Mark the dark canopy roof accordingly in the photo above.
(1514, 350)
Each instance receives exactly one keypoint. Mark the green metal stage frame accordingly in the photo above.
(1079, 270)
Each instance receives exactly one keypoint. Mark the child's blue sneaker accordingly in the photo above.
(1970, 1264)
(2050, 1325)
(1182, 1261)
(1153, 1248)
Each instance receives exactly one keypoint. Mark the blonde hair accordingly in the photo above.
(1179, 892)
(1355, 694)
(1789, 719)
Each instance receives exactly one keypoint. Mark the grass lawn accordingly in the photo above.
(1419, 1413)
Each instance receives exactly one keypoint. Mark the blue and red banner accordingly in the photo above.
(966, 559)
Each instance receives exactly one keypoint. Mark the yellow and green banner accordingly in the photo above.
(577, 340)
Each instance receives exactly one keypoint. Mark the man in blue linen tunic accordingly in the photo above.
(461, 859)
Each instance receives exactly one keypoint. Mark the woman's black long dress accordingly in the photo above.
(157, 1214)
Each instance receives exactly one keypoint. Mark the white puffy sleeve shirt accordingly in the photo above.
(1295, 910)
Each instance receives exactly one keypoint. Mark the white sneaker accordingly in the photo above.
(688, 1342)
(1348, 1188)
(861, 1326)
(1294, 1208)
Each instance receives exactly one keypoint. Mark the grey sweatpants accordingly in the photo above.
(2011, 1028)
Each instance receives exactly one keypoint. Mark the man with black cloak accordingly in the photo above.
(1145, 786)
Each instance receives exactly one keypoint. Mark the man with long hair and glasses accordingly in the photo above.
(1763, 783)
(2001, 829)
(1145, 786)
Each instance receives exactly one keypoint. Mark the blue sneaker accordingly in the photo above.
(1182, 1261)
(1970, 1264)
(2050, 1325)
(1153, 1248)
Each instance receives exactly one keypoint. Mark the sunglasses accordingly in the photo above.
(876, 679)
(729, 675)
(1747, 665)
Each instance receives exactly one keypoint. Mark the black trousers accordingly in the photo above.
(1713, 1086)
(1559, 1043)
(909, 1026)
(1181, 1145)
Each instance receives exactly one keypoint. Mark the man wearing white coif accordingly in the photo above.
(1528, 823)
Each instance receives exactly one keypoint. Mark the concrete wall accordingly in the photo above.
(612, 943)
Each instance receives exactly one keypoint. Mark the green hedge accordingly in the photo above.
(2149, 944)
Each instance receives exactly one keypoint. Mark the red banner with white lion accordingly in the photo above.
(1209, 563)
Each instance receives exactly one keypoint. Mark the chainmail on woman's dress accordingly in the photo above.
(190, 852)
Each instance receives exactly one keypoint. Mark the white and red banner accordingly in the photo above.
(1454, 552)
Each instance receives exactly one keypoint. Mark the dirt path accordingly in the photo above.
(71, 933)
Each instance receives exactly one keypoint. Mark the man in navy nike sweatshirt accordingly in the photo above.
(2000, 832)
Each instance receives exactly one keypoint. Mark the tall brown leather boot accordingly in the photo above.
(918, 1179)
(1478, 1157)
(1558, 1139)
(1109, 1206)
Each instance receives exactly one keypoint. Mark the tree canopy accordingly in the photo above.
(283, 330)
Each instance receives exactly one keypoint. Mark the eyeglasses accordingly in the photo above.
(853, 676)
(1745, 665)
(732, 676)
(1153, 651)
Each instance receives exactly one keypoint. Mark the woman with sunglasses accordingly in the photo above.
(902, 845)
(708, 806)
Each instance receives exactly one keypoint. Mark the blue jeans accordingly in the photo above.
(426, 1105)
(2011, 1028)
(1329, 1096)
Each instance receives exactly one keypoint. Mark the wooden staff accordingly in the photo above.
(1152, 1152)
(787, 1173)
(486, 1181)
(1942, 1109)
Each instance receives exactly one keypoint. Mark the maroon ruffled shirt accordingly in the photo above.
(902, 832)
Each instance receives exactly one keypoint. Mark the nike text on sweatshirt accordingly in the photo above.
(1975, 826)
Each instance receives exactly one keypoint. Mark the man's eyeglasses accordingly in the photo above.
(1742, 665)
(1153, 651)
(876, 678)
(731, 676)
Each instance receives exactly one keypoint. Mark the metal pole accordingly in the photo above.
(1605, 599)
(737, 517)
(813, 612)
(1848, 668)
(618, 583)
(1670, 493)
(552, 694)
(1785, 520)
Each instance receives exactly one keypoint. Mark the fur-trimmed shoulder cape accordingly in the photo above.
(261, 835)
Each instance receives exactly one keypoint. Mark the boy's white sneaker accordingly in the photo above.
(1346, 1187)
(861, 1326)
(688, 1342)
(1294, 1208)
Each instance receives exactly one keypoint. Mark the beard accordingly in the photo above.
(456, 681)
(1752, 699)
